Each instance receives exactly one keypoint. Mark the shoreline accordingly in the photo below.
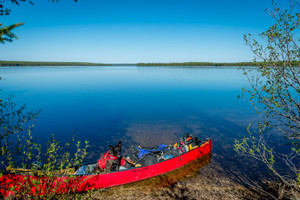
(183, 64)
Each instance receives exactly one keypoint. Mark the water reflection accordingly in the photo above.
(188, 171)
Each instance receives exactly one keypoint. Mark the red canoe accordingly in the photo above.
(13, 183)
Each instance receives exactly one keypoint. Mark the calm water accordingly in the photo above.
(139, 105)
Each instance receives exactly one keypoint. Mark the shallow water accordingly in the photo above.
(138, 105)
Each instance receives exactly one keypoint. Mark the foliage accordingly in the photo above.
(5, 11)
(3, 7)
(274, 93)
(43, 172)
(5, 32)
(14, 119)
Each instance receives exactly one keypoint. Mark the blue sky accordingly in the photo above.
(131, 31)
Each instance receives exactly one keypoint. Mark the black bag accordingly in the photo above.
(148, 159)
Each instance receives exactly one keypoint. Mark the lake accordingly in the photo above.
(138, 105)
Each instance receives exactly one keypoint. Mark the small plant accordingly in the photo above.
(42, 173)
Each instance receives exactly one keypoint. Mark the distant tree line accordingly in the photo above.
(28, 63)
(201, 64)
(293, 63)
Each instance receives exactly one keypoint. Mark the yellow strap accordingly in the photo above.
(204, 143)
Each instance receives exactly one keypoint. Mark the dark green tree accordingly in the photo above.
(275, 93)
